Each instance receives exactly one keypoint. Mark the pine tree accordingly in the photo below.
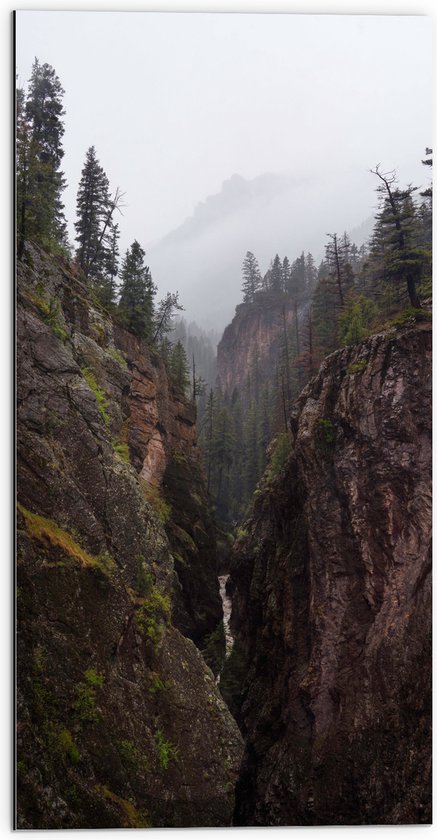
(92, 209)
(162, 321)
(297, 281)
(276, 275)
(105, 285)
(403, 259)
(137, 293)
(336, 255)
(252, 279)
(40, 181)
(178, 368)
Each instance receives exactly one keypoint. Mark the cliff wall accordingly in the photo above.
(331, 585)
(119, 719)
(251, 343)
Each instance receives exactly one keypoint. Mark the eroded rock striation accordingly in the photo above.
(331, 610)
(119, 719)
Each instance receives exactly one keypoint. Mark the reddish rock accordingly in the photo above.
(332, 600)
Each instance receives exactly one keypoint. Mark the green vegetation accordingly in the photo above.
(407, 315)
(152, 616)
(357, 367)
(132, 818)
(131, 755)
(144, 578)
(122, 450)
(49, 309)
(280, 454)
(152, 495)
(101, 397)
(48, 532)
(85, 704)
(117, 355)
(166, 750)
(326, 430)
(61, 742)
(154, 683)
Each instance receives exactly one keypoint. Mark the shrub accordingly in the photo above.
(64, 744)
(49, 310)
(152, 616)
(166, 750)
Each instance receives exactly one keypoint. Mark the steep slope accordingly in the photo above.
(119, 719)
(331, 592)
(251, 344)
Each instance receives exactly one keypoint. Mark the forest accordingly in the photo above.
(352, 293)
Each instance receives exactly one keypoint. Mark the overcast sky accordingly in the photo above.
(176, 103)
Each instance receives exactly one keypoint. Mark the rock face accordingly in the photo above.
(119, 720)
(251, 343)
(332, 600)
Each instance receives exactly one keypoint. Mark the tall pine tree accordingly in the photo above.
(137, 293)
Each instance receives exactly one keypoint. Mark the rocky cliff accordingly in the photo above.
(251, 343)
(119, 719)
(331, 584)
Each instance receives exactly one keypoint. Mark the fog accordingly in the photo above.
(298, 106)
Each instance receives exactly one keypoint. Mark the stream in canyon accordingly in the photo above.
(227, 609)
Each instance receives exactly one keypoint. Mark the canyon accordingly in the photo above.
(317, 706)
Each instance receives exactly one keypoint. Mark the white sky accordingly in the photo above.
(176, 103)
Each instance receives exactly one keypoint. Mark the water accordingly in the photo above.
(227, 609)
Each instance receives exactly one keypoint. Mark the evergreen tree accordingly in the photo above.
(276, 276)
(136, 293)
(40, 181)
(286, 274)
(162, 321)
(297, 281)
(402, 258)
(105, 285)
(336, 255)
(178, 368)
(252, 279)
(92, 210)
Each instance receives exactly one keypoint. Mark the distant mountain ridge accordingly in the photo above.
(272, 213)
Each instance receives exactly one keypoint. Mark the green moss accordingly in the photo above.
(48, 532)
(131, 755)
(166, 750)
(122, 450)
(101, 397)
(154, 683)
(62, 742)
(49, 310)
(144, 578)
(357, 367)
(153, 496)
(117, 355)
(85, 704)
(131, 817)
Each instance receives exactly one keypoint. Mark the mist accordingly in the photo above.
(298, 107)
